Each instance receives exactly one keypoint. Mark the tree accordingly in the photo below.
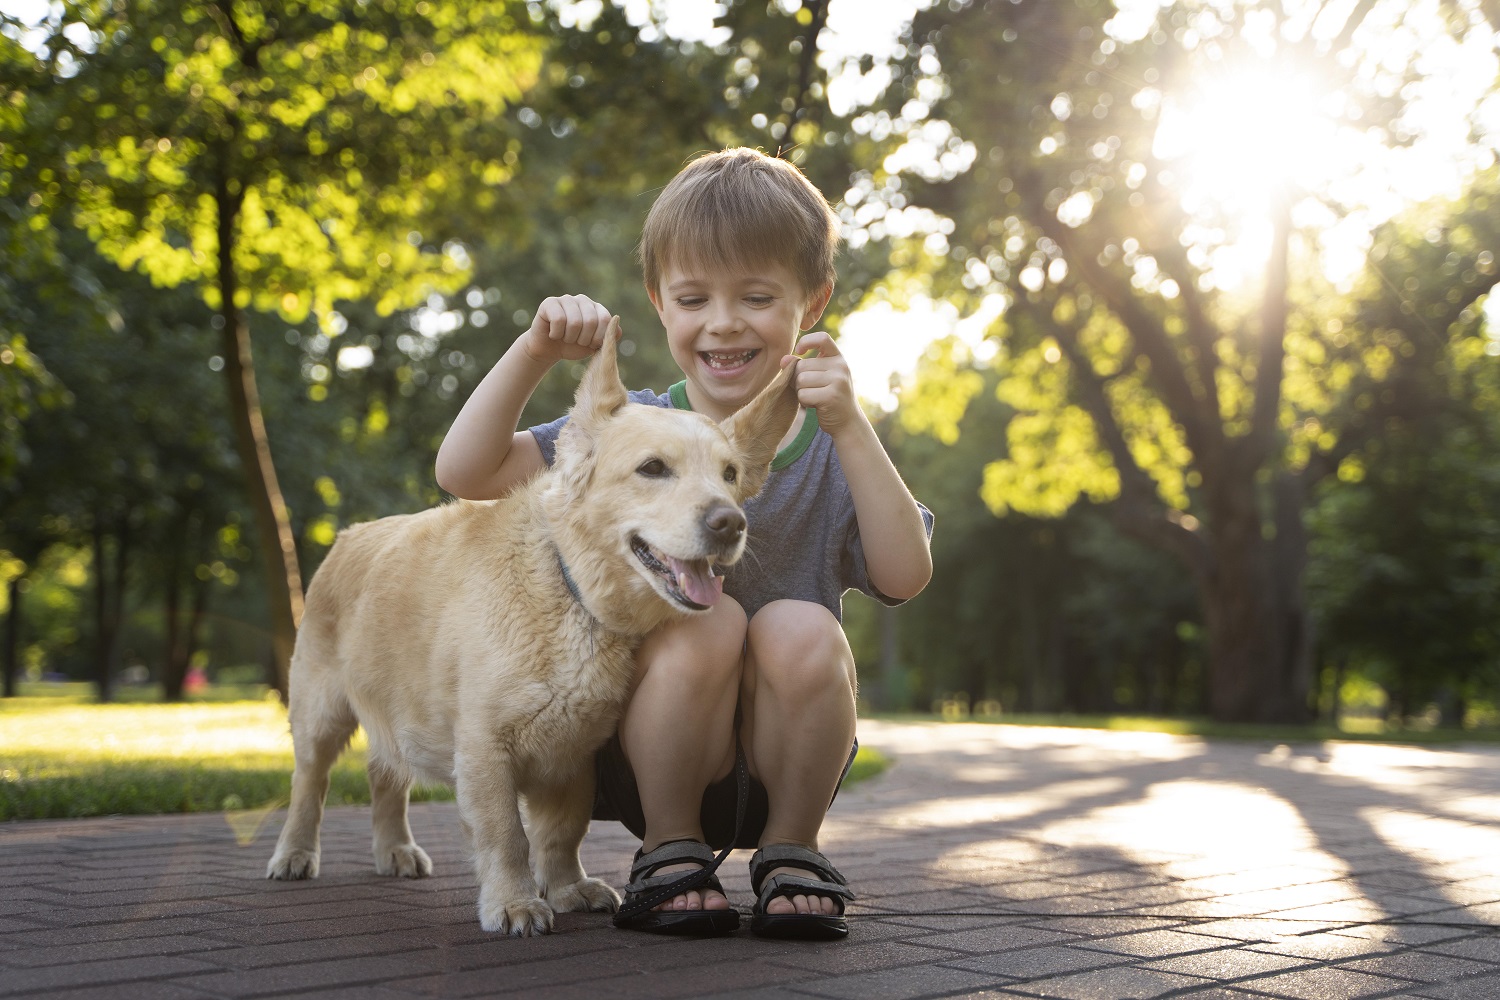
(1200, 414)
(1405, 573)
(271, 156)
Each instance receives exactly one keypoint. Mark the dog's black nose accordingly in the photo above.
(725, 524)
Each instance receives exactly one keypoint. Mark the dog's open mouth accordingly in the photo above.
(692, 583)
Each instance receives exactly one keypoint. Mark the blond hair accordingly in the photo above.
(741, 208)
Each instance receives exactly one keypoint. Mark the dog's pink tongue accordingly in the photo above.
(697, 581)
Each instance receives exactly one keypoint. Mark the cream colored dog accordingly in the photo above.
(490, 646)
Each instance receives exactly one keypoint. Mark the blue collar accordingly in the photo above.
(572, 584)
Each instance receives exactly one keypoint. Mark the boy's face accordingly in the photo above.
(728, 329)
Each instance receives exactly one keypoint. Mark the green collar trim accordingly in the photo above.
(784, 457)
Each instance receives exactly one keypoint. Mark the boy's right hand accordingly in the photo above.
(566, 328)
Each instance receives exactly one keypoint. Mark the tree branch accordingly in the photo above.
(1139, 509)
(1351, 25)
(1200, 331)
(1203, 430)
(1273, 320)
(807, 61)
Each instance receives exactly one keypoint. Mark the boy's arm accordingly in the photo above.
(897, 555)
(483, 457)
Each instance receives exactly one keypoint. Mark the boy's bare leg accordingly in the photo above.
(799, 718)
(678, 729)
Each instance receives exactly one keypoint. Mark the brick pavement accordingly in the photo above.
(990, 860)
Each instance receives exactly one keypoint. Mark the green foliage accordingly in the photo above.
(321, 122)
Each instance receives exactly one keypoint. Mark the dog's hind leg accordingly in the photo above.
(559, 819)
(396, 852)
(322, 723)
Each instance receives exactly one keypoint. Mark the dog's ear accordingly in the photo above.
(601, 393)
(758, 427)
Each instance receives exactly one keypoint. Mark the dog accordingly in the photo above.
(490, 645)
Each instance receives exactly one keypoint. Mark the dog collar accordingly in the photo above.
(572, 584)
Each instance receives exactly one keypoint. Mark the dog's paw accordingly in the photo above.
(590, 895)
(405, 860)
(293, 864)
(516, 917)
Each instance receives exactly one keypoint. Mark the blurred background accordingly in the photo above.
(1178, 315)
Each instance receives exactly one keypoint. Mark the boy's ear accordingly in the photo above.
(757, 428)
(600, 392)
(813, 311)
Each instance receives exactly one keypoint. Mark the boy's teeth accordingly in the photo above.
(717, 359)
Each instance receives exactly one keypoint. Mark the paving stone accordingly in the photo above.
(125, 970)
(1226, 964)
(902, 984)
(1325, 982)
(1040, 962)
(1424, 967)
(1155, 944)
(1484, 988)
(1110, 984)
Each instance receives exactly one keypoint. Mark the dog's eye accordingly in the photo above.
(731, 474)
(654, 468)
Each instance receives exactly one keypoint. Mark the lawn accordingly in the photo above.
(62, 756)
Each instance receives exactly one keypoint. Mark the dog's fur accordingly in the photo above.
(453, 638)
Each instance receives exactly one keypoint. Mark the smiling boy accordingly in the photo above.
(737, 255)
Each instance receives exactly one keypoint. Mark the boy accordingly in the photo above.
(737, 255)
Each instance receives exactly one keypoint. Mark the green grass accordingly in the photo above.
(1356, 729)
(62, 756)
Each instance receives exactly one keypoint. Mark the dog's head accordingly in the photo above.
(645, 503)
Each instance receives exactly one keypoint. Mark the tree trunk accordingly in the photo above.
(12, 666)
(109, 607)
(1258, 653)
(174, 667)
(273, 522)
(892, 687)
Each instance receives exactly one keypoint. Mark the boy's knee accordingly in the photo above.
(801, 646)
(710, 644)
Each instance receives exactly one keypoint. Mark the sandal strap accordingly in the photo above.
(643, 877)
(775, 856)
(673, 852)
(645, 885)
(796, 885)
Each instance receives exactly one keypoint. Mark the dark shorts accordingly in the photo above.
(617, 798)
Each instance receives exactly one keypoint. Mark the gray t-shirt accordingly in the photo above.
(804, 540)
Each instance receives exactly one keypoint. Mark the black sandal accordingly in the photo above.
(828, 883)
(647, 889)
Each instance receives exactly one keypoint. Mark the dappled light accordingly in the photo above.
(1306, 838)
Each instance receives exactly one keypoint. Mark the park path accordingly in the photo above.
(990, 860)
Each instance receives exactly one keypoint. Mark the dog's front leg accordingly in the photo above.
(488, 799)
(559, 819)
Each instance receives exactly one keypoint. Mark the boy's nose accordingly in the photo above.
(720, 319)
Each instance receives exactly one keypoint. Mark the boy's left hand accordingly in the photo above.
(824, 383)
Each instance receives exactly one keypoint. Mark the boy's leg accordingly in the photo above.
(678, 729)
(797, 697)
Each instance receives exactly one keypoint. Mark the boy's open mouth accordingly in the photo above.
(726, 361)
(693, 583)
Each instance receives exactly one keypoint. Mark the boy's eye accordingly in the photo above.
(653, 468)
(731, 474)
(690, 301)
(759, 300)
